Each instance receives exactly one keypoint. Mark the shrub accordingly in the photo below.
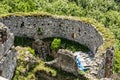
(55, 43)
(117, 58)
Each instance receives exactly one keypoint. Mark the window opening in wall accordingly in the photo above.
(48, 23)
(1, 34)
(42, 24)
(60, 25)
(91, 36)
(34, 25)
(22, 25)
(79, 30)
(85, 32)
(72, 28)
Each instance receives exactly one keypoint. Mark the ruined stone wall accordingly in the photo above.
(7, 53)
(78, 31)
(99, 68)
(66, 61)
(39, 27)
(109, 62)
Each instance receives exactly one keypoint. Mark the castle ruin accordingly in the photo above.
(40, 26)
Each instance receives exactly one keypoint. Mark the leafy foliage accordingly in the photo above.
(117, 57)
(55, 43)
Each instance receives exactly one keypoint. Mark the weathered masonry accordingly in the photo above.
(42, 25)
(7, 53)
(74, 30)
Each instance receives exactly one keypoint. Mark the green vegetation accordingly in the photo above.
(55, 43)
(28, 65)
(66, 44)
(32, 68)
(32, 51)
(23, 41)
(117, 57)
(106, 12)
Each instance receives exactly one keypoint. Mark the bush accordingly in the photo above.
(56, 43)
(117, 57)
(4, 8)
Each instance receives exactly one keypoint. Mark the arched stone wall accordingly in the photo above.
(78, 31)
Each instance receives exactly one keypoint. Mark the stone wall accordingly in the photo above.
(109, 62)
(7, 53)
(47, 26)
(99, 68)
(65, 61)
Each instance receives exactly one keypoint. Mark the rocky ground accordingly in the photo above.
(30, 67)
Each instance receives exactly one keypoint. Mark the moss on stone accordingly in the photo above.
(28, 65)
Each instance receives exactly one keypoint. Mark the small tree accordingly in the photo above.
(55, 43)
